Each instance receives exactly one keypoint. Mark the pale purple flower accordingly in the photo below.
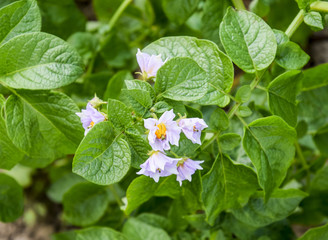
(163, 131)
(186, 168)
(192, 128)
(159, 165)
(90, 117)
(149, 64)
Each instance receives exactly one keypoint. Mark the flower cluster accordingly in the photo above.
(163, 133)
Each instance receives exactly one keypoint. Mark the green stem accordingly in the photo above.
(174, 154)
(319, 6)
(118, 13)
(303, 161)
(210, 141)
(295, 23)
(117, 198)
(239, 4)
(233, 110)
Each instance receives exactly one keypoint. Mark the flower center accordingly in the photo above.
(92, 124)
(161, 131)
(195, 129)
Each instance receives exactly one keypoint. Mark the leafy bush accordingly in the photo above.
(184, 146)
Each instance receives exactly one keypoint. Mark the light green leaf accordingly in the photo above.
(179, 11)
(161, 107)
(218, 120)
(119, 114)
(143, 188)
(11, 199)
(38, 61)
(115, 84)
(227, 185)
(103, 157)
(139, 147)
(244, 111)
(282, 92)
(137, 230)
(281, 36)
(57, 189)
(181, 79)
(137, 84)
(315, 77)
(318, 233)
(229, 141)
(291, 56)
(248, 40)
(139, 100)
(85, 203)
(243, 93)
(314, 20)
(269, 143)
(102, 233)
(44, 118)
(18, 18)
(257, 213)
(218, 67)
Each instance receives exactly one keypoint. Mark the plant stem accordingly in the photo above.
(303, 161)
(239, 4)
(233, 110)
(319, 6)
(117, 198)
(210, 141)
(295, 24)
(118, 13)
(174, 154)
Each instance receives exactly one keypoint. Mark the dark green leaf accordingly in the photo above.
(102, 233)
(321, 140)
(119, 114)
(229, 141)
(219, 120)
(115, 84)
(318, 233)
(179, 11)
(315, 77)
(138, 100)
(137, 84)
(291, 56)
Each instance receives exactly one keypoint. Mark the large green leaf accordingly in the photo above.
(181, 79)
(137, 84)
(179, 11)
(143, 188)
(257, 213)
(18, 18)
(269, 143)
(227, 185)
(85, 203)
(248, 40)
(38, 116)
(318, 233)
(9, 153)
(315, 77)
(291, 56)
(102, 233)
(282, 93)
(11, 199)
(135, 229)
(103, 157)
(139, 100)
(38, 61)
(218, 67)
(119, 114)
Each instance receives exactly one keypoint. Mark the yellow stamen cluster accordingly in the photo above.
(161, 131)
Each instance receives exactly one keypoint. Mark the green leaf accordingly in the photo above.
(243, 93)
(181, 79)
(161, 107)
(18, 18)
(57, 189)
(282, 92)
(45, 118)
(314, 20)
(102, 233)
(321, 138)
(137, 230)
(229, 141)
(269, 143)
(281, 37)
(9, 153)
(119, 114)
(179, 11)
(115, 84)
(61, 18)
(11, 199)
(143, 188)
(318, 233)
(315, 77)
(291, 56)
(244, 111)
(218, 120)
(137, 84)
(218, 67)
(260, 7)
(304, 4)
(248, 40)
(139, 147)
(227, 185)
(85, 203)
(103, 157)
(257, 213)
(186, 147)
(38, 61)
(138, 100)
(212, 16)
